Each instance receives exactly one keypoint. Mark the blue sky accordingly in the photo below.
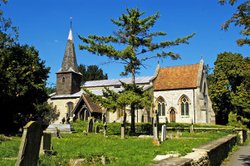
(44, 24)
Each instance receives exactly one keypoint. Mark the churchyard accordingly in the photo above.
(97, 149)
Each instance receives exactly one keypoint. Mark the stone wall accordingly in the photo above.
(212, 154)
(61, 105)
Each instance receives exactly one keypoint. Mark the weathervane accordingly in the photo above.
(70, 22)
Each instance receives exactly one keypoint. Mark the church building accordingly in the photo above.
(180, 93)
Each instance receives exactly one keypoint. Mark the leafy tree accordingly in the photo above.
(130, 95)
(91, 72)
(134, 35)
(228, 89)
(22, 82)
(240, 18)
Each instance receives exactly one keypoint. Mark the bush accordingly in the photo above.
(79, 126)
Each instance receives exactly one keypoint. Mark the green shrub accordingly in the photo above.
(79, 126)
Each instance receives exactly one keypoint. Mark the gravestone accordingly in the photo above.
(155, 129)
(64, 128)
(192, 126)
(47, 147)
(163, 133)
(105, 129)
(123, 125)
(30, 144)
(97, 129)
(90, 124)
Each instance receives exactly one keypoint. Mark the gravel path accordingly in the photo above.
(240, 157)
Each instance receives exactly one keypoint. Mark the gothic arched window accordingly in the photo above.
(184, 102)
(161, 106)
(70, 108)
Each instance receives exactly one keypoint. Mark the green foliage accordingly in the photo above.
(137, 41)
(131, 95)
(134, 34)
(91, 72)
(22, 84)
(240, 18)
(79, 126)
(50, 88)
(22, 81)
(229, 89)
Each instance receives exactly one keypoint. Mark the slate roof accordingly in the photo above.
(69, 63)
(177, 77)
(112, 82)
(74, 95)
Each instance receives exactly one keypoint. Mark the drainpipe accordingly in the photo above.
(194, 105)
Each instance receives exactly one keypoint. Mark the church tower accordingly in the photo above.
(68, 77)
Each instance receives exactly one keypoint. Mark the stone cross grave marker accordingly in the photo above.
(30, 144)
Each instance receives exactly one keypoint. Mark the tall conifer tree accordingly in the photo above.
(134, 34)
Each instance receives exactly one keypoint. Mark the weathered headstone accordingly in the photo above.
(155, 129)
(47, 146)
(123, 125)
(122, 131)
(30, 144)
(105, 129)
(192, 126)
(97, 129)
(163, 133)
(90, 124)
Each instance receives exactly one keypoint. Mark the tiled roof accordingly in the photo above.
(178, 77)
(93, 107)
(85, 100)
(112, 82)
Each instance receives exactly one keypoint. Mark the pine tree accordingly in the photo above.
(134, 35)
(240, 18)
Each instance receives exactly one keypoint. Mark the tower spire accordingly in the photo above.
(69, 61)
(70, 37)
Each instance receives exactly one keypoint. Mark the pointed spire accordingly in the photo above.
(70, 37)
(69, 61)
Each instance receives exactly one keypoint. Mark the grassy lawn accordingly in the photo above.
(93, 147)
(8, 150)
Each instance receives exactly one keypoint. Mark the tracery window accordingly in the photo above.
(161, 106)
(184, 105)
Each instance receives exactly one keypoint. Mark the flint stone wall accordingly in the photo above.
(212, 154)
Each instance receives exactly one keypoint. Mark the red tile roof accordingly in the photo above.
(178, 77)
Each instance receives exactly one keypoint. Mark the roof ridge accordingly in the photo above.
(113, 79)
(179, 66)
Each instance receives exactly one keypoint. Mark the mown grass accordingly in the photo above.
(129, 151)
(9, 147)
(93, 147)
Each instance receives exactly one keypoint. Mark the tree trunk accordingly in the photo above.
(123, 126)
(132, 127)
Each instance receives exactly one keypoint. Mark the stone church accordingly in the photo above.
(180, 93)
